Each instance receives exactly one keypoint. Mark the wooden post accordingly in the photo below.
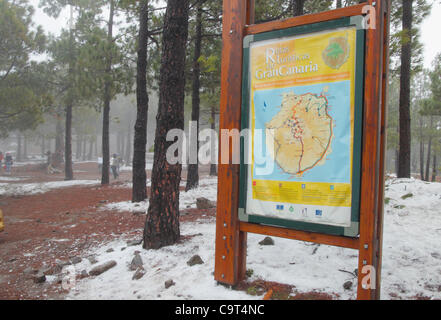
(372, 180)
(231, 243)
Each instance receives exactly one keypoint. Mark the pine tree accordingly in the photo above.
(162, 222)
(193, 168)
(139, 192)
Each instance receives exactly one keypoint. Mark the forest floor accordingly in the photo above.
(49, 222)
(65, 229)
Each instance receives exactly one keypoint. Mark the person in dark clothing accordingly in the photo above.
(8, 163)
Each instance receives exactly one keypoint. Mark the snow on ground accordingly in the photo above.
(7, 189)
(207, 188)
(12, 179)
(411, 258)
(127, 206)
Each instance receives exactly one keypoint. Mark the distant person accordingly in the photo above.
(1, 159)
(49, 157)
(8, 163)
(100, 164)
(115, 166)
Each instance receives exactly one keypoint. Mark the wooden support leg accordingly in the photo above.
(231, 243)
(371, 205)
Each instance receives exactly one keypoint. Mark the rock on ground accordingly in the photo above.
(102, 268)
(204, 204)
(195, 260)
(39, 277)
(136, 263)
(138, 274)
(268, 241)
(169, 283)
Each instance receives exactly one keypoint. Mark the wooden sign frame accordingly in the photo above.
(231, 233)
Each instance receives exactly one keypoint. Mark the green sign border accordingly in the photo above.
(354, 229)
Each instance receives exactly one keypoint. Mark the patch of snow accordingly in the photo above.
(13, 179)
(207, 189)
(38, 188)
(127, 206)
(161, 265)
(411, 257)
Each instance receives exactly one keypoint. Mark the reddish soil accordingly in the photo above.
(41, 230)
(61, 224)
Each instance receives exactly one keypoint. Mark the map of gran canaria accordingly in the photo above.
(302, 133)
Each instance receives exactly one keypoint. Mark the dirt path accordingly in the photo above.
(58, 225)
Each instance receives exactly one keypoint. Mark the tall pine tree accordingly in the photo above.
(162, 222)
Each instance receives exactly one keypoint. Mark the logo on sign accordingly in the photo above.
(318, 213)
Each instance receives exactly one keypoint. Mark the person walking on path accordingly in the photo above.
(115, 165)
(8, 163)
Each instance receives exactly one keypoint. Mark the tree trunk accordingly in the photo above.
(78, 148)
(128, 149)
(193, 167)
(19, 156)
(421, 149)
(162, 222)
(339, 4)
(298, 7)
(118, 142)
(429, 151)
(406, 56)
(89, 156)
(213, 166)
(123, 145)
(96, 146)
(68, 170)
(105, 179)
(434, 169)
(139, 191)
(59, 144)
(43, 145)
(25, 147)
(83, 156)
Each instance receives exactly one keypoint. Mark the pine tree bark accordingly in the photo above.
(406, 56)
(78, 148)
(128, 148)
(57, 157)
(83, 152)
(298, 7)
(25, 147)
(434, 169)
(118, 142)
(19, 156)
(139, 192)
(89, 156)
(43, 145)
(68, 167)
(429, 151)
(68, 170)
(193, 168)
(105, 178)
(162, 222)
(339, 4)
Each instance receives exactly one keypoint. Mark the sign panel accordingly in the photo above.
(302, 104)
